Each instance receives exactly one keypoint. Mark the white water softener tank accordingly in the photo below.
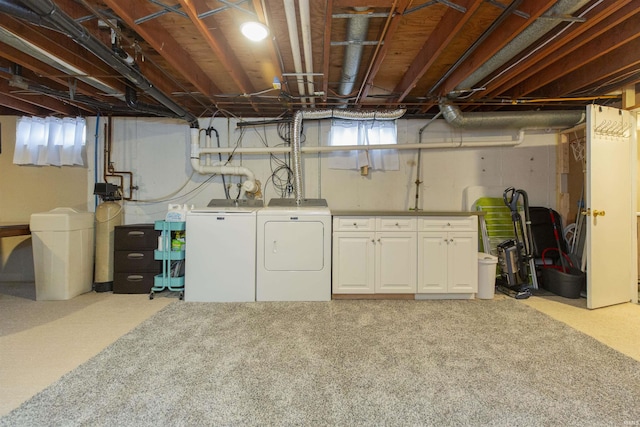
(109, 214)
(62, 253)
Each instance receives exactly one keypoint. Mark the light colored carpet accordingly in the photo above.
(42, 340)
(346, 363)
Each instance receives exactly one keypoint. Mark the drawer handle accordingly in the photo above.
(136, 233)
(135, 255)
(355, 224)
(397, 224)
(134, 278)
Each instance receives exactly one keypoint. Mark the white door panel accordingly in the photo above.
(609, 189)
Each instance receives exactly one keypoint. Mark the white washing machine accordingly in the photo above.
(294, 251)
(220, 252)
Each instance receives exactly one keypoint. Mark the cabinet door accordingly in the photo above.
(463, 262)
(396, 262)
(432, 262)
(353, 262)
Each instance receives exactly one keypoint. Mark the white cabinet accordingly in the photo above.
(395, 262)
(374, 255)
(353, 262)
(447, 254)
(405, 255)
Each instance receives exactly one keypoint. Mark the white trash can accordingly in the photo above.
(62, 241)
(486, 275)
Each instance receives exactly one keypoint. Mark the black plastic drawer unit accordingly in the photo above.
(134, 265)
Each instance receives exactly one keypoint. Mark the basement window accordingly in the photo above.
(365, 133)
(50, 141)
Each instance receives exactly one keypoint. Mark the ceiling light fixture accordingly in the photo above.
(254, 31)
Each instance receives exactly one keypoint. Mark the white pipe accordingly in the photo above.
(249, 185)
(305, 24)
(208, 144)
(330, 149)
(292, 25)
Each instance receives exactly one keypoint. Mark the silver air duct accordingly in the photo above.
(520, 43)
(357, 29)
(326, 114)
(510, 119)
(56, 18)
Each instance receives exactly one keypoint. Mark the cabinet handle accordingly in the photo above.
(355, 224)
(135, 255)
(134, 278)
(135, 233)
(448, 224)
(379, 240)
(373, 241)
(397, 224)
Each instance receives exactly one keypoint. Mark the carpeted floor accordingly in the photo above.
(346, 363)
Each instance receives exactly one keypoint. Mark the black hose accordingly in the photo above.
(208, 132)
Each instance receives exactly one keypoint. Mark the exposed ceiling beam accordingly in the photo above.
(360, 3)
(508, 30)
(22, 106)
(450, 23)
(218, 43)
(588, 52)
(382, 48)
(41, 101)
(70, 53)
(601, 21)
(273, 54)
(626, 57)
(164, 44)
(41, 69)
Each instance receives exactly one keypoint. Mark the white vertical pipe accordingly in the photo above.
(292, 25)
(305, 24)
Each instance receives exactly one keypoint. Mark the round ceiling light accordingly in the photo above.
(254, 31)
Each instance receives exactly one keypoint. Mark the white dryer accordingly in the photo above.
(294, 251)
(220, 251)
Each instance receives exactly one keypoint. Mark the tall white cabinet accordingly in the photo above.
(405, 254)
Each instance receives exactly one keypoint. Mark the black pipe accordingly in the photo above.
(19, 11)
(53, 15)
(131, 98)
(100, 106)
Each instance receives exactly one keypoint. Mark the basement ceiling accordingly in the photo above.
(188, 59)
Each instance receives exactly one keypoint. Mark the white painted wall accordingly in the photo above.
(157, 152)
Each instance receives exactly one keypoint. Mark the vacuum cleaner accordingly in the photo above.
(515, 256)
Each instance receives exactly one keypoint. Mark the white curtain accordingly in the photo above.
(50, 141)
(370, 132)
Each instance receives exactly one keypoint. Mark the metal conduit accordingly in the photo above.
(55, 17)
(19, 11)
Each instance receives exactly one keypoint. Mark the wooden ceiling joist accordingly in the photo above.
(444, 33)
(164, 44)
(600, 22)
